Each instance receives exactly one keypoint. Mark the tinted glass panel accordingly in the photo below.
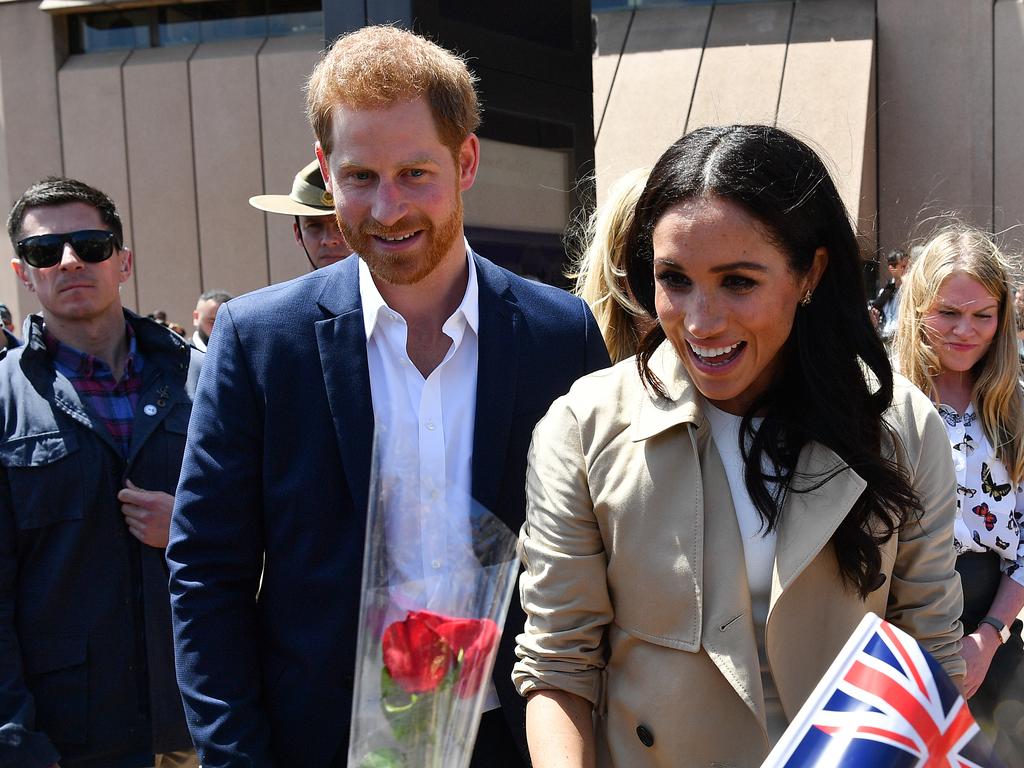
(112, 30)
(192, 23)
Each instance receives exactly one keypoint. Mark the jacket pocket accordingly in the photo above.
(57, 675)
(45, 476)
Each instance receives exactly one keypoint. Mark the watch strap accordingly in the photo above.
(1000, 628)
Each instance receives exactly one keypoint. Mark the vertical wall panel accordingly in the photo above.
(229, 165)
(826, 93)
(611, 33)
(520, 188)
(742, 67)
(284, 66)
(30, 142)
(163, 193)
(1009, 125)
(92, 125)
(934, 114)
(651, 95)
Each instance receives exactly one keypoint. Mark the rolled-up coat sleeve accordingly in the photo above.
(925, 598)
(564, 585)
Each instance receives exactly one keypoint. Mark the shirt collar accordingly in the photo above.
(373, 302)
(87, 365)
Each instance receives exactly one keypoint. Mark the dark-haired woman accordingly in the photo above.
(708, 522)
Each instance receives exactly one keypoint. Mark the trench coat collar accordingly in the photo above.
(679, 405)
(809, 519)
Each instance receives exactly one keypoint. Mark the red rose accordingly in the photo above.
(415, 655)
(476, 639)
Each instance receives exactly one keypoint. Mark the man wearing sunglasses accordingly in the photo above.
(93, 413)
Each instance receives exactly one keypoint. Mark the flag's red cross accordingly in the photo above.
(941, 743)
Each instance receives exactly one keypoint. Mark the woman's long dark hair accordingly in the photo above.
(821, 394)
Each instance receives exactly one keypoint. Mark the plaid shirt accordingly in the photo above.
(112, 401)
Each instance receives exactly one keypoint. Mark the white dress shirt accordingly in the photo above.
(424, 440)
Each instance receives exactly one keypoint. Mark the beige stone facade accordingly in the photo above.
(917, 104)
(180, 137)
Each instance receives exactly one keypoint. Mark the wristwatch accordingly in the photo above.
(1002, 629)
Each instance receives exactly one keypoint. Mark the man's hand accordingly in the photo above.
(977, 650)
(147, 513)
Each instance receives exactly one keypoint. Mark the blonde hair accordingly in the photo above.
(996, 394)
(600, 267)
(375, 67)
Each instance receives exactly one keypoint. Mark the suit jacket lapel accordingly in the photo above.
(497, 371)
(341, 339)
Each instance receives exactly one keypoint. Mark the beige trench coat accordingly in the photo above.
(635, 586)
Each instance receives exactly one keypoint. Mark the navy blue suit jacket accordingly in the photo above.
(275, 482)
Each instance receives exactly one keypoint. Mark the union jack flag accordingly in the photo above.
(883, 703)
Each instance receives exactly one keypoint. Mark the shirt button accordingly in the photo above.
(431, 426)
(435, 564)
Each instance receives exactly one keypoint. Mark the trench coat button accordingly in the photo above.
(644, 734)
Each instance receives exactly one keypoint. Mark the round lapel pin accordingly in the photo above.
(149, 410)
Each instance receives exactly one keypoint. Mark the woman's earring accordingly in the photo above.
(806, 299)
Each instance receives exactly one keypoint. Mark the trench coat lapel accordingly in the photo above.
(728, 637)
(809, 519)
(341, 340)
(720, 578)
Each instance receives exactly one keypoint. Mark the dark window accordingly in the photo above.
(191, 23)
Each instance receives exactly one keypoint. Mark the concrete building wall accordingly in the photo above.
(653, 76)
(30, 136)
(93, 134)
(162, 196)
(827, 99)
(935, 114)
(1008, 128)
(741, 70)
(181, 137)
(805, 66)
(229, 165)
(283, 65)
(917, 113)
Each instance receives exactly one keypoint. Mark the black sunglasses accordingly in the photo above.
(91, 245)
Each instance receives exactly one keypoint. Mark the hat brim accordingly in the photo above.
(285, 205)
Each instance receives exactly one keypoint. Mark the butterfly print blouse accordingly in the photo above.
(990, 506)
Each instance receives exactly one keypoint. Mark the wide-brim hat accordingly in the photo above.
(309, 196)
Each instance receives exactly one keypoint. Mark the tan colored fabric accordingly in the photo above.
(183, 759)
(635, 586)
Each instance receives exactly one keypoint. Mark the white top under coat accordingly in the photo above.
(758, 548)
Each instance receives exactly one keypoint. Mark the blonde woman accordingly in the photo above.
(957, 341)
(600, 269)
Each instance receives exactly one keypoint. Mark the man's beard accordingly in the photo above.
(410, 267)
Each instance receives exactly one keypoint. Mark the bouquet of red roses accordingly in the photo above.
(436, 590)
